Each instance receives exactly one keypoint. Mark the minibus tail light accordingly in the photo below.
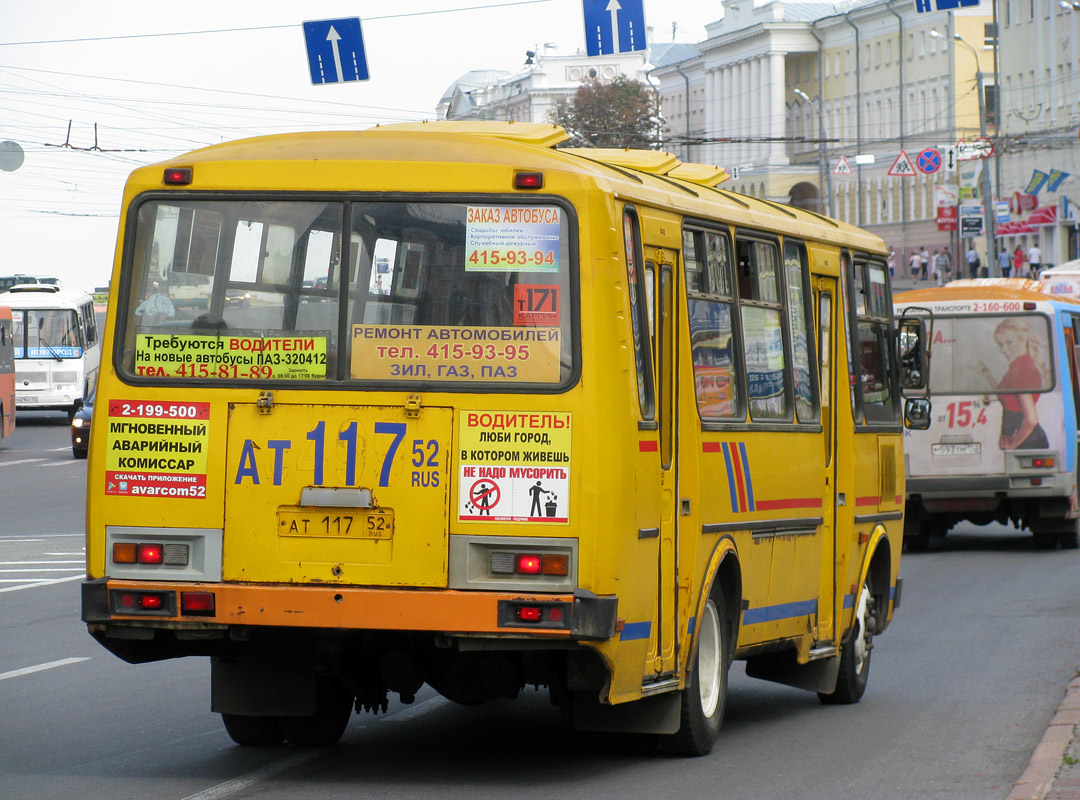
(197, 603)
(1029, 306)
(555, 564)
(528, 180)
(151, 554)
(124, 553)
(529, 613)
(177, 176)
(529, 564)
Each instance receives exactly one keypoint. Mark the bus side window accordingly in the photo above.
(874, 383)
(638, 314)
(797, 274)
(707, 264)
(762, 327)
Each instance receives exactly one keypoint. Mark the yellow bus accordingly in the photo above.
(7, 373)
(441, 403)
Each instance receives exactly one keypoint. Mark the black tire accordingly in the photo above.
(323, 728)
(1070, 540)
(918, 543)
(79, 453)
(253, 731)
(854, 656)
(705, 695)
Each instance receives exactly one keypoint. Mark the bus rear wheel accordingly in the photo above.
(705, 695)
(855, 655)
(323, 728)
(253, 731)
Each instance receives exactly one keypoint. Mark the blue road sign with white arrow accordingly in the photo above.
(924, 6)
(335, 49)
(614, 26)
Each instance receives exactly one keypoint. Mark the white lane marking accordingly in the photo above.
(12, 563)
(40, 537)
(20, 461)
(35, 584)
(61, 463)
(35, 569)
(415, 711)
(80, 553)
(236, 785)
(63, 662)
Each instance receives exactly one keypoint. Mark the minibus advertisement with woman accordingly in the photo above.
(1002, 441)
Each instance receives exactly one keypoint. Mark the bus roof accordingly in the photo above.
(43, 296)
(984, 289)
(320, 161)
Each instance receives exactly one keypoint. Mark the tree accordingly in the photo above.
(621, 113)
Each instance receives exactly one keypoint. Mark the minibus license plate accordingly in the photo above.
(353, 523)
(966, 449)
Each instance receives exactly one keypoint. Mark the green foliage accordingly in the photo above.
(621, 113)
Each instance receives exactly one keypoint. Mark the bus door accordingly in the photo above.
(825, 306)
(661, 265)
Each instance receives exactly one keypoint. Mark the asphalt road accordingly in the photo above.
(961, 689)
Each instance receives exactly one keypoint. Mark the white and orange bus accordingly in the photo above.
(441, 403)
(1002, 445)
(7, 373)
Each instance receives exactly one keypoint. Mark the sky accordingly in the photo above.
(91, 91)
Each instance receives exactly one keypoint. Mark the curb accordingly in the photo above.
(1037, 779)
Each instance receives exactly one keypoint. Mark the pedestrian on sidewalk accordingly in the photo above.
(942, 267)
(915, 263)
(1018, 262)
(1004, 262)
(1034, 258)
(973, 262)
(924, 257)
(892, 262)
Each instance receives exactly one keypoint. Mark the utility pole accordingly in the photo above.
(823, 149)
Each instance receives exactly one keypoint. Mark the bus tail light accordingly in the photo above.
(532, 613)
(134, 602)
(170, 553)
(529, 564)
(197, 603)
(1042, 462)
(177, 176)
(528, 180)
(151, 554)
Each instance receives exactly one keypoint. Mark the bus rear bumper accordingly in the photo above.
(123, 604)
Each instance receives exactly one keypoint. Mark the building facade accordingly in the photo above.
(865, 110)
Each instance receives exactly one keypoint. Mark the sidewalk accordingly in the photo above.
(1053, 773)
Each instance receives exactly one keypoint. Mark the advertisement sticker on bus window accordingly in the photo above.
(512, 239)
(443, 352)
(536, 304)
(514, 467)
(157, 449)
(238, 356)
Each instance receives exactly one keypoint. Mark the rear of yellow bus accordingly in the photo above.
(337, 428)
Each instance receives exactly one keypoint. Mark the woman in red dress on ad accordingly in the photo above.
(1020, 428)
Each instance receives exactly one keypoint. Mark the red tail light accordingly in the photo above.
(529, 613)
(529, 564)
(197, 603)
(151, 554)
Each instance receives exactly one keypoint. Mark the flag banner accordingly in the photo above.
(1055, 179)
(1038, 180)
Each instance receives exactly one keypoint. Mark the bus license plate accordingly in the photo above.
(336, 522)
(966, 449)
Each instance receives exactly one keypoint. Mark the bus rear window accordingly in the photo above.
(432, 293)
(998, 354)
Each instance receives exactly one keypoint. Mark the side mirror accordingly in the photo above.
(915, 331)
(917, 413)
(78, 403)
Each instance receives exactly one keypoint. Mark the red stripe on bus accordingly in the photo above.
(789, 502)
(712, 447)
(648, 446)
(867, 501)
(736, 462)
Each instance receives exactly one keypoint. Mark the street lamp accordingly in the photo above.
(822, 147)
(987, 197)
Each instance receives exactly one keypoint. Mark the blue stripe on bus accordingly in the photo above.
(635, 630)
(849, 601)
(746, 472)
(690, 626)
(800, 608)
(731, 480)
